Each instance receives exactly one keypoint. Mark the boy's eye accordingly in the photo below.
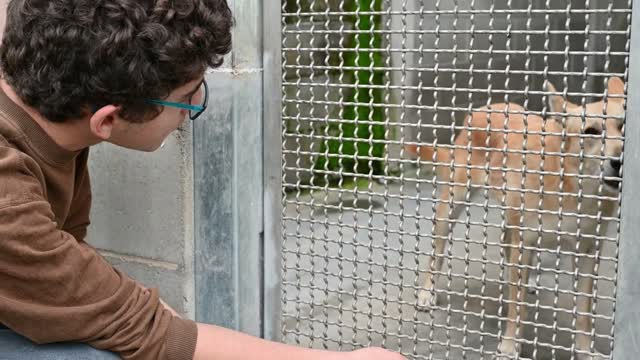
(592, 131)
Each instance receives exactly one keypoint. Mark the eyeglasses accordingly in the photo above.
(194, 110)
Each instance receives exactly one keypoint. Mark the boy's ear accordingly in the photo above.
(102, 121)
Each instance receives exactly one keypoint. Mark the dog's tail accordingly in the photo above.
(425, 152)
(428, 153)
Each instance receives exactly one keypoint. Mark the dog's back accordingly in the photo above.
(479, 149)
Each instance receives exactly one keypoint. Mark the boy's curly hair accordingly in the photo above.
(64, 57)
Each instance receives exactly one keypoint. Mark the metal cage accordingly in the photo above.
(449, 177)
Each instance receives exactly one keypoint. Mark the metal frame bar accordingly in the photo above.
(228, 183)
(272, 162)
(627, 312)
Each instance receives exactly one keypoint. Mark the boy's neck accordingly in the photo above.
(72, 135)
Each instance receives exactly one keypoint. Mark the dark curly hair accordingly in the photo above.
(64, 57)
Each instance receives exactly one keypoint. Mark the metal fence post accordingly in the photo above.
(228, 183)
(627, 312)
(272, 127)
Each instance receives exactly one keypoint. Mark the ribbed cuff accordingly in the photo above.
(181, 339)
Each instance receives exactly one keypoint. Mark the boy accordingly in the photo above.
(76, 73)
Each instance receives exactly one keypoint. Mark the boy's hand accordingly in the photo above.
(217, 343)
(374, 354)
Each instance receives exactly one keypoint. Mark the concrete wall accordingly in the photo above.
(188, 218)
(228, 199)
(142, 216)
(3, 15)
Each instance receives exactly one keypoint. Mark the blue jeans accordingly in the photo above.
(16, 347)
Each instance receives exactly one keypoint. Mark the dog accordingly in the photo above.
(529, 172)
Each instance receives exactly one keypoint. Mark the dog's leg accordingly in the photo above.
(427, 296)
(519, 260)
(586, 267)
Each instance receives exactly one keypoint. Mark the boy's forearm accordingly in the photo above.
(222, 344)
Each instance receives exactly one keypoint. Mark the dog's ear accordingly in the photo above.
(555, 103)
(615, 86)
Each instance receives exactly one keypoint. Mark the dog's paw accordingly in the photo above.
(507, 349)
(427, 299)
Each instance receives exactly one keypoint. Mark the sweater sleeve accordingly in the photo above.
(55, 288)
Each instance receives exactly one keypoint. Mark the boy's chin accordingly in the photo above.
(141, 147)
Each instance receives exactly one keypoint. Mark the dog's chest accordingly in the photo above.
(562, 228)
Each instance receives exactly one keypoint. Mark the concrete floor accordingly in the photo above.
(349, 283)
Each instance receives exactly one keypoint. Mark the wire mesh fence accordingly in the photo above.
(451, 175)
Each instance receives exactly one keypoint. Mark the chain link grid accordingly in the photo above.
(522, 224)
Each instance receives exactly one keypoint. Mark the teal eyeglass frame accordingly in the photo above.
(194, 110)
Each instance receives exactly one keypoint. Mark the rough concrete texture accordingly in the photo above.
(348, 285)
(142, 215)
(3, 15)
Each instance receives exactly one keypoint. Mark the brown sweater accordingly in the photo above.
(53, 285)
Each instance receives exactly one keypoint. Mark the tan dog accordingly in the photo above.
(522, 189)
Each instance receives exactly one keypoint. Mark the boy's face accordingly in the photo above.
(149, 135)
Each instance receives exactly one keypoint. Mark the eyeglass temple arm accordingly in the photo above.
(177, 105)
